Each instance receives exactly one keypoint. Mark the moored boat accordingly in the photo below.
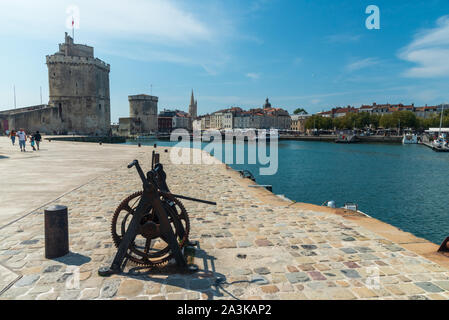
(410, 138)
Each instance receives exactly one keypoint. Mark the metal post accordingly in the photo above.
(56, 231)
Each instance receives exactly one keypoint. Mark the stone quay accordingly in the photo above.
(252, 245)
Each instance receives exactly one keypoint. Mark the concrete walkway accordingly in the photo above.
(261, 247)
(33, 178)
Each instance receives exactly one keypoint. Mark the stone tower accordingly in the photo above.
(193, 107)
(143, 108)
(79, 88)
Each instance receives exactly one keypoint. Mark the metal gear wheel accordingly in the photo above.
(149, 248)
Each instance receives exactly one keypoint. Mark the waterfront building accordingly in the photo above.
(266, 117)
(164, 124)
(205, 122)
(298, 122)
(181, 120)
(428, 111)
(79, 98)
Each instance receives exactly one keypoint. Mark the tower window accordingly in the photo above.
(99, 107)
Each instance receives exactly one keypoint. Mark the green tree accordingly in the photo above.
(318, 122)
(404, 119)
(374, 120)
(300, 111)
(386, 121)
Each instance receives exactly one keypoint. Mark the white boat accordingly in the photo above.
(410, 138)
(440, 142)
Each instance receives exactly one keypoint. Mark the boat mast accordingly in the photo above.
(441, 120)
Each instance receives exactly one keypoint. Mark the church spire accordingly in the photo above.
(193, 106)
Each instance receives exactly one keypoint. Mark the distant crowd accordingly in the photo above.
(34, 139)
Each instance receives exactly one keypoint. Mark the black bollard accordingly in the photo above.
(56, 232)
(155, 145)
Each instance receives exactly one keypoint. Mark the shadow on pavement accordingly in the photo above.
(73, 259)
(207, 280)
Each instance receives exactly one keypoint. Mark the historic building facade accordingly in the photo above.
(79, 99)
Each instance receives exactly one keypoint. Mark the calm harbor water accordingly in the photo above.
(404, 185)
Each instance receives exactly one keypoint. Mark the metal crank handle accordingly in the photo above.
(193, 199)
(132, 164)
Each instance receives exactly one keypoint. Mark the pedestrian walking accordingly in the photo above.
(32, 142)
(22, 139)
(37, 137)
(13, 136)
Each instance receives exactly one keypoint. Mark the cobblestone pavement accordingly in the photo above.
(258, 250)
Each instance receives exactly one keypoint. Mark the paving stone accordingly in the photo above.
(270, 289)
(27, 280)
(429, 286)
(442, 284)
(53, 268)
(110, 288)
(364, 292)
(130, 288)
(315, 275)
(340, 294)
(262, 270)
(348, 250)
(350, 273)
(89, 294)
(296, 277)
(263, 243)
(244, 244)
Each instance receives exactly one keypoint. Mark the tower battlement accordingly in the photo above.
(145, 97)
(56, 58)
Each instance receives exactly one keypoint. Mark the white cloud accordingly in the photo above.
(194, 34)
(429, 51)
(253, 75)
(147, 21)
(362, 63)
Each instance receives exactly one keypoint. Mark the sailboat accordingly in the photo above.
(441, 141)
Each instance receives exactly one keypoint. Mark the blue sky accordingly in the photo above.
(300, 53)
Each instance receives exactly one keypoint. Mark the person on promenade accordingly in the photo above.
(13, 137)
(32, 142)
(7, 132)
(37, 137)
(22, 139)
